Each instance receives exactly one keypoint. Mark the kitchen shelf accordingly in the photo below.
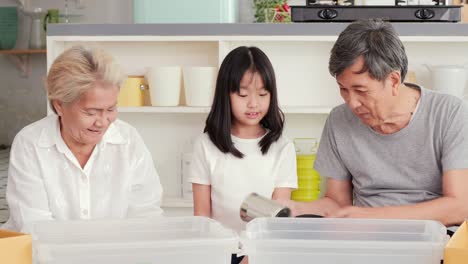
(188, 109)
(22, 52)
(296, 30)
(20, 58)
(164, 110)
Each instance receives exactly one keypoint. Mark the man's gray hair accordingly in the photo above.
(377, 42)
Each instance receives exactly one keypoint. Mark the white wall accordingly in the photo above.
(23, 100)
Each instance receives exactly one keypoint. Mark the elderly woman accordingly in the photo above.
(82, 163)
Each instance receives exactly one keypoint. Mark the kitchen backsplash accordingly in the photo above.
(22, 100)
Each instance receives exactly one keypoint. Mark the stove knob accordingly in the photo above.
(328, 13)
(424, 13)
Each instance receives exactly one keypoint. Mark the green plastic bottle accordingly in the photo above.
(308, 179)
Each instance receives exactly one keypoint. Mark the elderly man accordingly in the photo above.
(394, 149)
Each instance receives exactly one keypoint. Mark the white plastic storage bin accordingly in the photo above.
(149, 241)
(343, 241)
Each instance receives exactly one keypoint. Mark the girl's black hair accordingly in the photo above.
(233, 68)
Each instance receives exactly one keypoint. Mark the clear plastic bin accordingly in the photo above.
(131, 241)
(343, 241)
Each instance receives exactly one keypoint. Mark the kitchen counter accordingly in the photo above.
(259, 29)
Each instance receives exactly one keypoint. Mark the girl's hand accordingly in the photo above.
(201, 199)
(283, 197)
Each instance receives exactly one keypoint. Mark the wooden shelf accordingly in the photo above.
(164, 109)
(21, 52)
(20, 58)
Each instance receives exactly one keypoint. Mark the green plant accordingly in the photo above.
(262, 5)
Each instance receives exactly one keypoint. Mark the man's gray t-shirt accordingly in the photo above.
(400, 168)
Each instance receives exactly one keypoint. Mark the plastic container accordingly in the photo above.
(164, 85)
(343, 241)
(308, 178)
(199, 85)
(310, 183)
(8, 27)
(305, 161)
(133, 92)
(306, 195)
(308, 174)
(130, 241)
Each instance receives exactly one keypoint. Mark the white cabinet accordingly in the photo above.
(306, 90)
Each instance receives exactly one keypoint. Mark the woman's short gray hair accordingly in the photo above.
(377, 42)
(77, 70)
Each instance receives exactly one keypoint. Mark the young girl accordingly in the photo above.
(242, 149)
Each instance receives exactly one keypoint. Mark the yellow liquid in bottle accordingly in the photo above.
(308, 179)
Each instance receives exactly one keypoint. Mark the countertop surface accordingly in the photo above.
(262, 29)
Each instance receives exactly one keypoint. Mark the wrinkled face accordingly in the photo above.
(85, 121)
(251, 104)
(368, 98)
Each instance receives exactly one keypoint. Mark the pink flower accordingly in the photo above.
(282, 8)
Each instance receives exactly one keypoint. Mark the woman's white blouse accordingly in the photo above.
(46, 181)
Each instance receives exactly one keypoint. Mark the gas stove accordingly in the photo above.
(347, 11)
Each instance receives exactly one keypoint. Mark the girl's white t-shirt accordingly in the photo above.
(232, 178)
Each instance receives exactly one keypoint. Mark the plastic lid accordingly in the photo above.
(305, 146)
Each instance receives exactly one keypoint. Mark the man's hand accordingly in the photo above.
(324, 207)
(351, 212)
(292, 205)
